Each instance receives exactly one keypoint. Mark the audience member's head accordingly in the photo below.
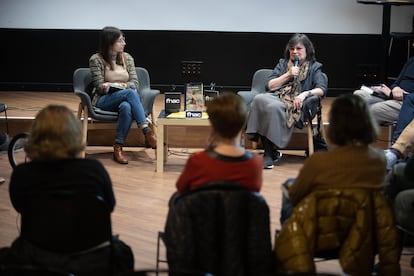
(351, 122)
(227, 115)
(56, 134)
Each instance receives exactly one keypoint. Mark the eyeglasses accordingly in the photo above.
(121, 40)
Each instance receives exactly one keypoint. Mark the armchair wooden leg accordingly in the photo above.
(310, 138)
(154, 125)
(84, 130)
(323, 131)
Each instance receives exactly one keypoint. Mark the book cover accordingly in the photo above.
(367, 89)
(194, 98)
(172, 102)
(374, 92)
(181, 115)
(209, 95)
(113, 88)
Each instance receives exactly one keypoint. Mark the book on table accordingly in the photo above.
(209, 95)
(194, 97)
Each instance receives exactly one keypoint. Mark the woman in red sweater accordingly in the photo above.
(224, 158)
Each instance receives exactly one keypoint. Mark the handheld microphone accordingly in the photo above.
(295, 63)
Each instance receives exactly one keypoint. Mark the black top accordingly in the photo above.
(405, 79)
(409, 169)
(75, 175)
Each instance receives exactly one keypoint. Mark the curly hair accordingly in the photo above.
(227, 114)
(351, 121)
(55, 134)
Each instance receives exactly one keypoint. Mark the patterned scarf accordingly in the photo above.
(289, 91)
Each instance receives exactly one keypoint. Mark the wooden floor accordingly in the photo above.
(141, 193)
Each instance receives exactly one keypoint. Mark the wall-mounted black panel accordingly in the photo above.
(42, 60)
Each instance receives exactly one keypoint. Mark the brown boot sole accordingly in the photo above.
(121, 161)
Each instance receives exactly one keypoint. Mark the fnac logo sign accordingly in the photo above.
(172, 102)
(193, 114)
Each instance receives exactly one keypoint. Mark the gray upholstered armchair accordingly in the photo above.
(81, 80)
(259, 82)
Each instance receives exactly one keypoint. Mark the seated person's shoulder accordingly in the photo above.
(377, 154)
(197, 155)
(96, 59)
(253, 155)
(128, 56)
(95, 56)
(84, 164)
(90, 162)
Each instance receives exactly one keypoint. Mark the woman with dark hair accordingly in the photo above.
(115, 88)
(295, 78)
(350, 161)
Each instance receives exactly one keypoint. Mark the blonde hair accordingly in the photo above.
(56, 134)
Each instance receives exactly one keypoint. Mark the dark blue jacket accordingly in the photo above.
(220, 229)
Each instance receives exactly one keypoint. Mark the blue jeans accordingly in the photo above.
(406, 115)
(128, 105)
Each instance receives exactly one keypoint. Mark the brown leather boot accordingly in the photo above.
(118, 156)
(150, 140)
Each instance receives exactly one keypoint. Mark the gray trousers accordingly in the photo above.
(384, 111)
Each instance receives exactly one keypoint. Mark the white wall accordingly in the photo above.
(308, 16)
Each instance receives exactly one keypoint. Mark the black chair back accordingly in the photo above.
(220, 228)
(64, 221)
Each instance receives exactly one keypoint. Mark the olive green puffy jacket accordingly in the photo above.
(357, 222)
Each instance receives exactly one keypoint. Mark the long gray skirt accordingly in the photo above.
(267, 117)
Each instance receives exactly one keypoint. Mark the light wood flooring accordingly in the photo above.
(142, 194)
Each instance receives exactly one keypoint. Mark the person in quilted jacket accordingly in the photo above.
(350, 162)
(332, 189)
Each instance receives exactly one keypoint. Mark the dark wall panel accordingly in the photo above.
(44, 60)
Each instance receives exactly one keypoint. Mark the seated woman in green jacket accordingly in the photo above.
(350, 162)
